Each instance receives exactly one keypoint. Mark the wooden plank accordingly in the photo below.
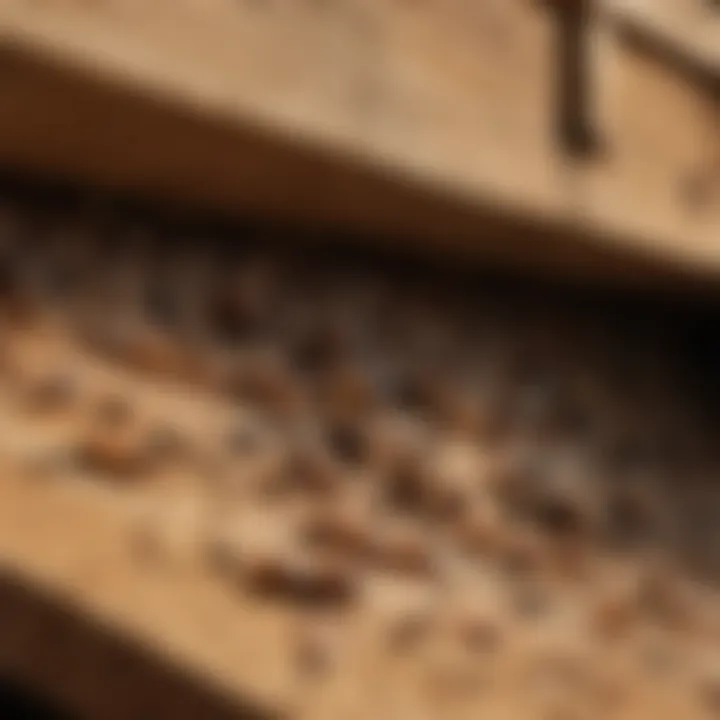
(105, 93)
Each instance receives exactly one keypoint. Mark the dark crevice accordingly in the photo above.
(17, 701)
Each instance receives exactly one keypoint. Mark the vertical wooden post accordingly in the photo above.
(575, 132)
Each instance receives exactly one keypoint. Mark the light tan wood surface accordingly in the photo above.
(432, 124)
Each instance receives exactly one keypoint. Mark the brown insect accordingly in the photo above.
(300, 580)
